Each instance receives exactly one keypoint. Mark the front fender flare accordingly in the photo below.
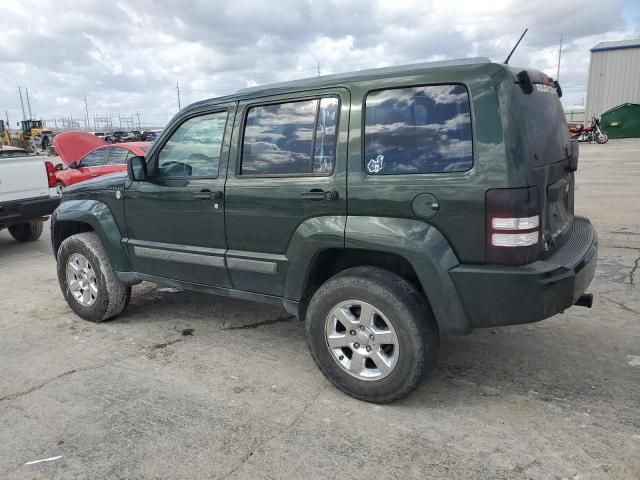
(97, 215)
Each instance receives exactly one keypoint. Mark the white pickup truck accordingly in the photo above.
(27, 193)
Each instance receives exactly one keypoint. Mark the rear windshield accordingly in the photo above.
(545, 124)
(12, 153)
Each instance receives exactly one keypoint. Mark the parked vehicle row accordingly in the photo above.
(122, 136)
(27, 193)
(383, 207)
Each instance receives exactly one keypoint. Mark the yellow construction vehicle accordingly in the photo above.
(29, 135)
(5, 137)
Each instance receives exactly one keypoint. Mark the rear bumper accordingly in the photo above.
(498, 295)
(26, 210)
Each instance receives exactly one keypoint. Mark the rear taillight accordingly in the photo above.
(513, 226)
(51, 174)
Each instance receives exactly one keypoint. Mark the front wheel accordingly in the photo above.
(602, 138)
(88, 283)
(372, 334)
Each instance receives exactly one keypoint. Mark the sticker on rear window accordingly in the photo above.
(375, 166)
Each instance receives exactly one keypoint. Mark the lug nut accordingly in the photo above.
(361, 327)
(371, 337)
(341, 357)
(356, 345)
(352, 332)
(368, 348)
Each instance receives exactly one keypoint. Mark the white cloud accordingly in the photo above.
(126, 57)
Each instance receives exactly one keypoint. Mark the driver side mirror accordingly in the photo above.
(137, 168)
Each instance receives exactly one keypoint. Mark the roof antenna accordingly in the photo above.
(506, 62)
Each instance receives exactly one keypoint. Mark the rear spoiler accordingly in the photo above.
(541, 81)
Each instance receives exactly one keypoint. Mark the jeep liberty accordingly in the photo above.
(384, 208)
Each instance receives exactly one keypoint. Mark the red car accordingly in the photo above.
(88, 156)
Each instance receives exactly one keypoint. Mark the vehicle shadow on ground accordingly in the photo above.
(530, 360)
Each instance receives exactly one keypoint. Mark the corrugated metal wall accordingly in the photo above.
(614, 79)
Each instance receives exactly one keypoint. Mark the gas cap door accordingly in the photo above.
(425, 206)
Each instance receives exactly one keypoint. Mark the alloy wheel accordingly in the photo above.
(362, 340)
(81, 279)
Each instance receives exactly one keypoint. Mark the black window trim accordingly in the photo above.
(153, 161)
(238, 170)
(414, 85)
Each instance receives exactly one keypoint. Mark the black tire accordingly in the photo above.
(403, 305)
(602, 138)
(112, 297)
(27, 232)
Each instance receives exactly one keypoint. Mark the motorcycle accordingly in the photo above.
(589, 133)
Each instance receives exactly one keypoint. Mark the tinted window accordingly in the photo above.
(12, 153)
(418, 130)
(291, 138)
(118, 156)
(194, 148)
(95, 158)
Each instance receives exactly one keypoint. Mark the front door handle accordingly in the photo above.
(319, 195)
(207, 194)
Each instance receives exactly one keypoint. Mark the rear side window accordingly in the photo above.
(294, 138)
(118, 156)
(418, 130)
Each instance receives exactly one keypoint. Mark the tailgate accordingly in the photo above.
(550, 147)
(22, 178)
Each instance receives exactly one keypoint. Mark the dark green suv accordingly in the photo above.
(384, 207)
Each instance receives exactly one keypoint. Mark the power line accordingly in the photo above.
(28, 103)
(86, 111)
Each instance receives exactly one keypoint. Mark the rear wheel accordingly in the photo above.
(371, 334)
(88, 283)
(27, 232)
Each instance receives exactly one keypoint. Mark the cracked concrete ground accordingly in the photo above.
(182, 386)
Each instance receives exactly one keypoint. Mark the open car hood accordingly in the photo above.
(72, 146)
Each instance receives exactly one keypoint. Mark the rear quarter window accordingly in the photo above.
(423, 129)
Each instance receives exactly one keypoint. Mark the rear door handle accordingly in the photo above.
(319, 195)
(207, 194)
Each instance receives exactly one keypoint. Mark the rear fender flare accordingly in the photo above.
(429, 253)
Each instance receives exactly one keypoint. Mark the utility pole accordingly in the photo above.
(24, 115)
(138, 115)
(178, 90)
(318, 67)
(86, 111)
(559, 56)
(29, 104)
